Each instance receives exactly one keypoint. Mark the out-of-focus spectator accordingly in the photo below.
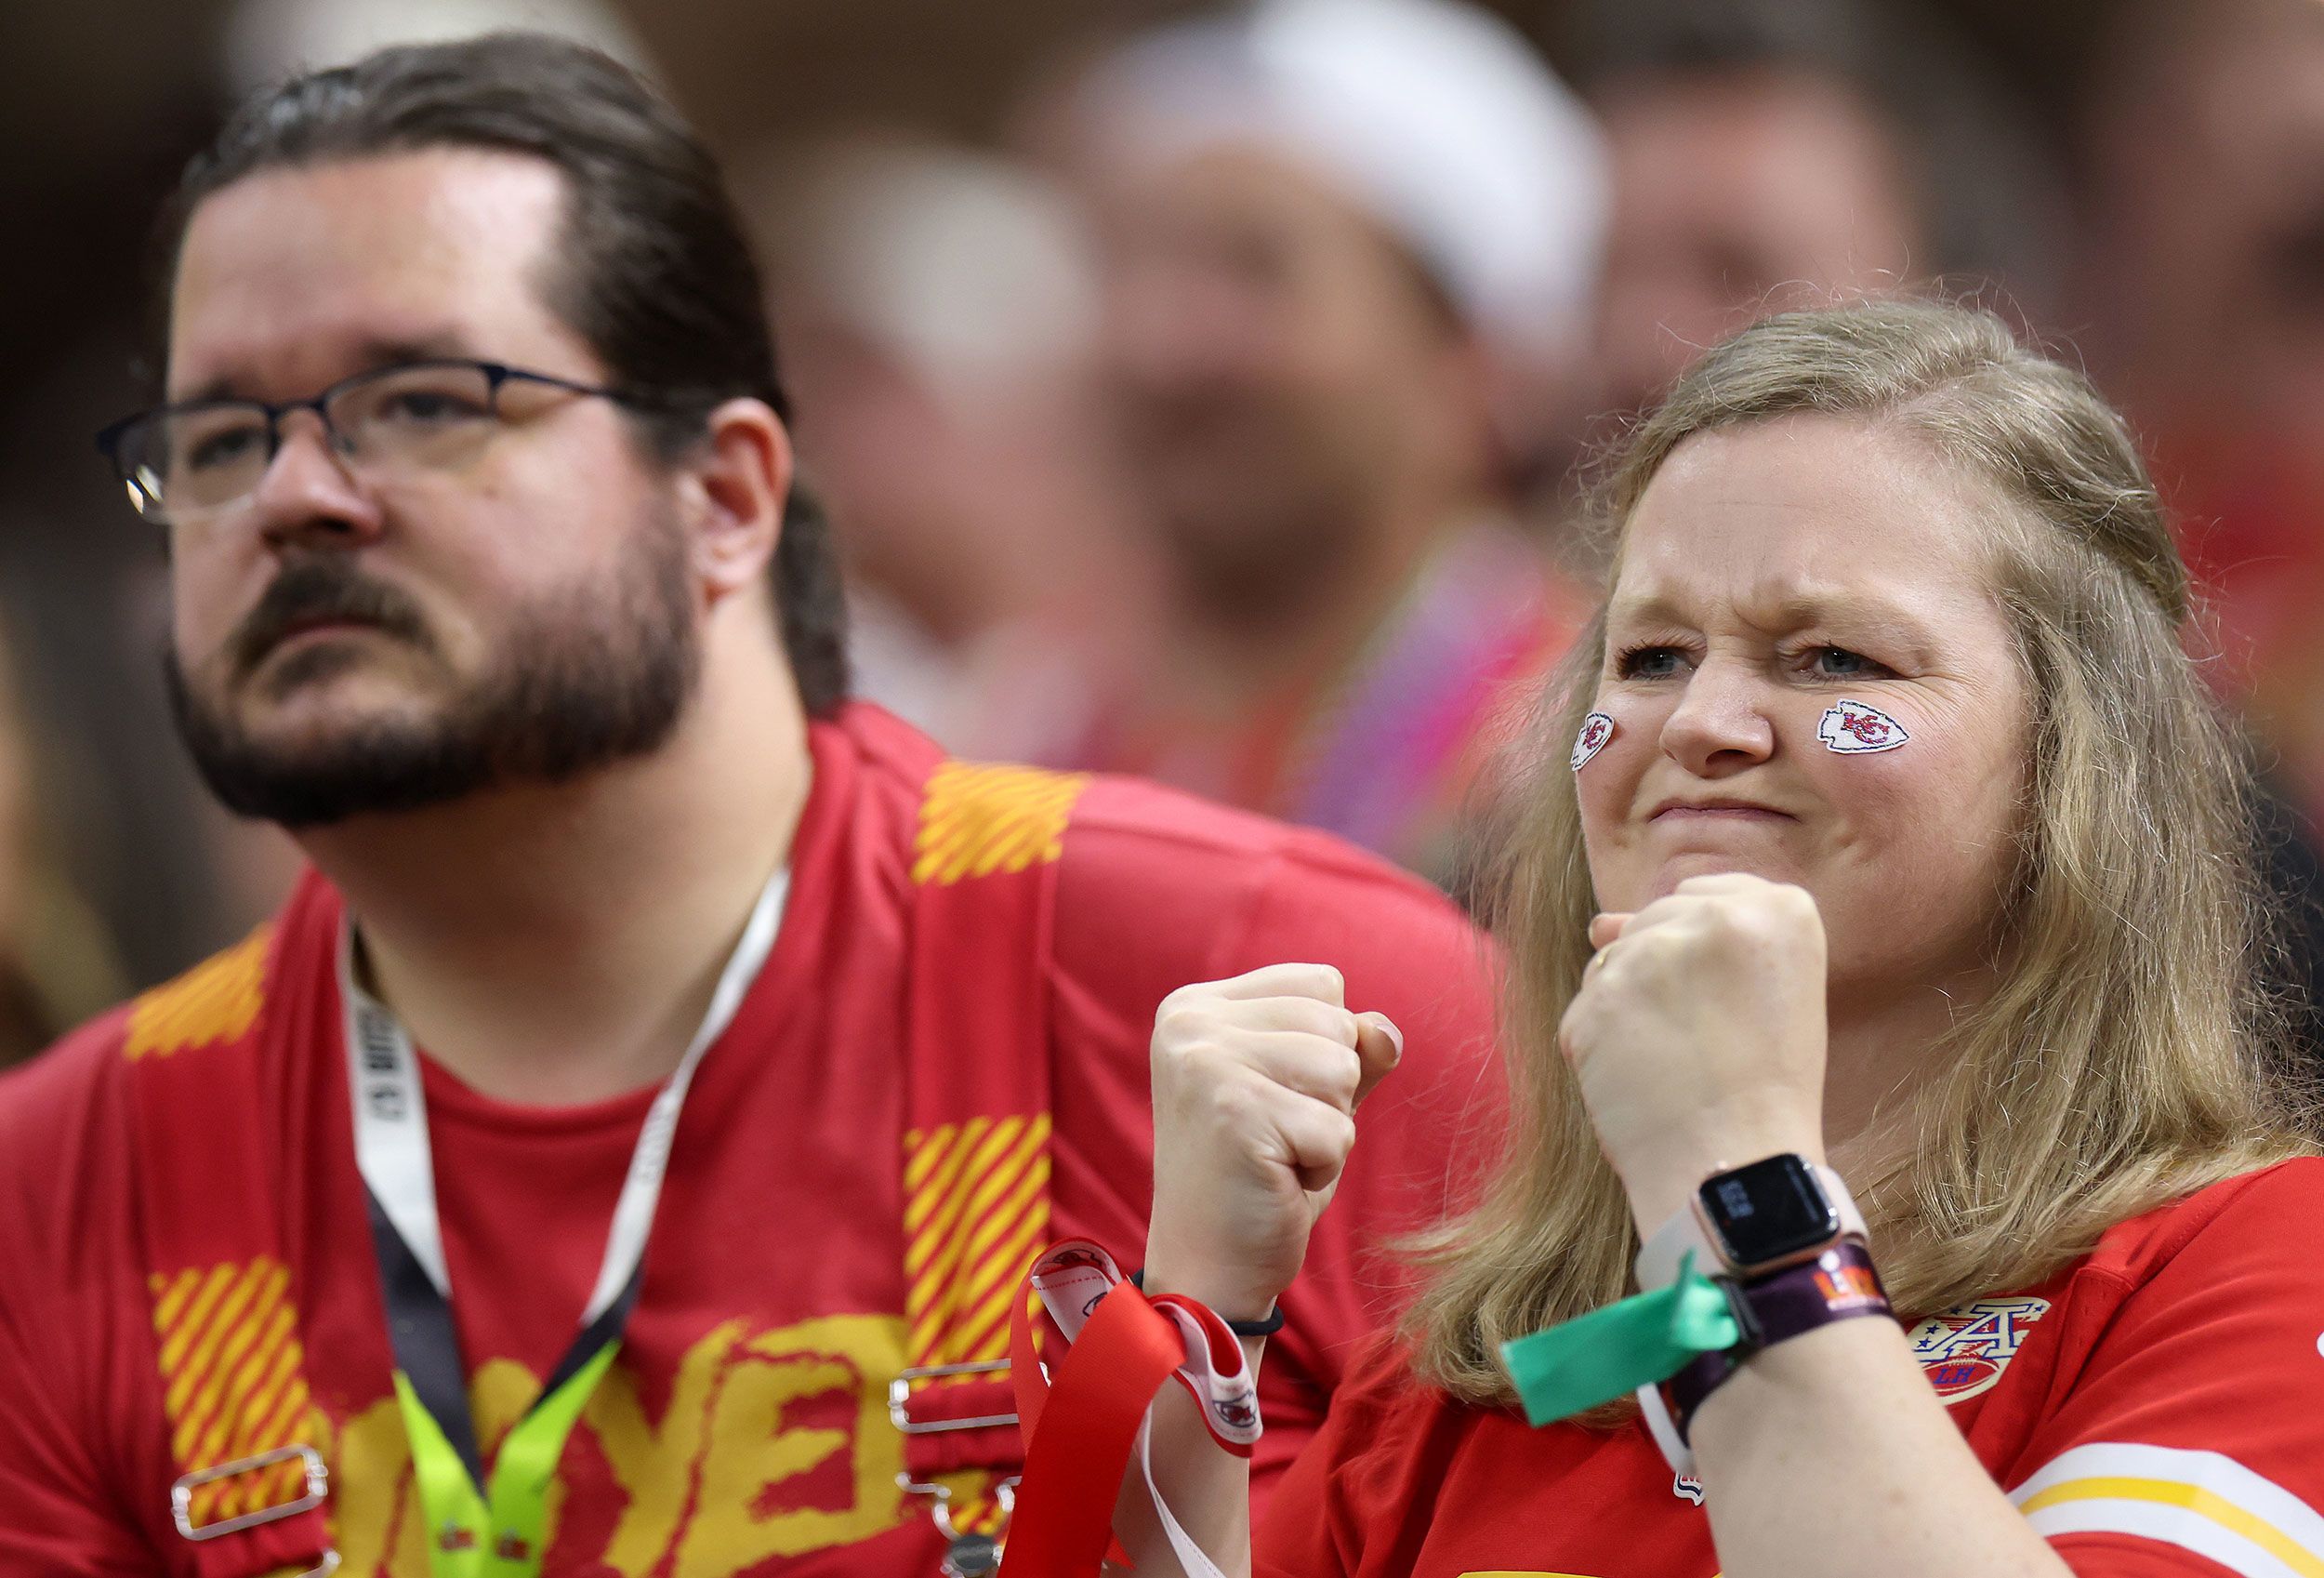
(1348, 250)
(57, 966)
(2202, 172)
(936, 308)
(2202, 163)
(1778, 153)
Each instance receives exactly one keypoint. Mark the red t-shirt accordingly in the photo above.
(743, 1428)
(2155, 1409)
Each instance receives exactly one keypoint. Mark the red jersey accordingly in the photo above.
(2155, 1409)
(743, 1427)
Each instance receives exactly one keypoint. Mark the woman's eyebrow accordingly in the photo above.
(1831, 608)
(1653, 609)
(1880, 619)
(1798, 610)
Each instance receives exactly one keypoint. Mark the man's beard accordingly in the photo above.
(579, 682)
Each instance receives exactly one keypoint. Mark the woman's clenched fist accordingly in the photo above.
(1256, 1082)
(1697, 1035)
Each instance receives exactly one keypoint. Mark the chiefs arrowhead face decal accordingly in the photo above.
(1853, 728)
(1596, 730)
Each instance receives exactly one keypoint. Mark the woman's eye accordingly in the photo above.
(1838, 663)
(1647, 663)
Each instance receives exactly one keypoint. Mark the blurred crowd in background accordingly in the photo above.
(1198, 391)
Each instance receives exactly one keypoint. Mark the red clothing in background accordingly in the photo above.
(743, 1428)
(2158, 1409)
(1387, 748)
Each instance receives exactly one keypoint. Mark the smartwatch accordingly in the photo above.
(1752, 1221)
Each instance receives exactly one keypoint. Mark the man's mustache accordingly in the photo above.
(310, 592)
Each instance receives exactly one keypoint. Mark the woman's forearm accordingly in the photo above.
(1207, 1489)
(1827, 1456)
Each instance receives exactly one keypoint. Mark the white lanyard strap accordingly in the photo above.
(391, 1148)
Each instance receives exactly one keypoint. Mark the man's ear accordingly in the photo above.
(735, 482)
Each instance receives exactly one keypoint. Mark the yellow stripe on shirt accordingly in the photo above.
(2190, 1498)
(2203, 1502)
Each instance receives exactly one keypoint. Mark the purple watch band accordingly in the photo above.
(1839, 1284)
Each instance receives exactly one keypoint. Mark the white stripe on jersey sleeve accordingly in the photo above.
(2199, 1501)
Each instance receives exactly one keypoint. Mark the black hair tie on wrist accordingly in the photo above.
(1265, 1326)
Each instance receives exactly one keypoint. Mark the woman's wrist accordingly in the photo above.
(1663, 1184)
(1233, 1294)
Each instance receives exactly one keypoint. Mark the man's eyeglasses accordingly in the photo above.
(184, 461)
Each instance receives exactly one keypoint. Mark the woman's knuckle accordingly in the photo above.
(1228, 1099)
(1326, 984)
(1179, 1015)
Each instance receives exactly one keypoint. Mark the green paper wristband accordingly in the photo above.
(1612, 1352)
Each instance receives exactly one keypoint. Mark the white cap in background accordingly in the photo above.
(969, 266)
(1436, 118)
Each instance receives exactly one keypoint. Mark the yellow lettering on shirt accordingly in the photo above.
(752, 1450)
(656, 1466)
(372, 1521)
(701, 1487)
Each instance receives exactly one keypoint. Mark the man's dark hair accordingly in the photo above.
(652, 269)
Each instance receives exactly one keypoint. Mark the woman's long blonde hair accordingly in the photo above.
(2128, 1053)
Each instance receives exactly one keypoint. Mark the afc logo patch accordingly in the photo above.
(1964, 1350)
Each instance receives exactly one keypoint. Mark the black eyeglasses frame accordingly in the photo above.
(498, 376)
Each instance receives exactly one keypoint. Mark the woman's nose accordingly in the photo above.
(1721, 722)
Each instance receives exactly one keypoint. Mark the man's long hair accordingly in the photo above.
(2131, 1051)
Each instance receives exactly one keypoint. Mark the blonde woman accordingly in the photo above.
(1882, 845)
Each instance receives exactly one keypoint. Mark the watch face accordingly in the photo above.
(1769, 1211)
